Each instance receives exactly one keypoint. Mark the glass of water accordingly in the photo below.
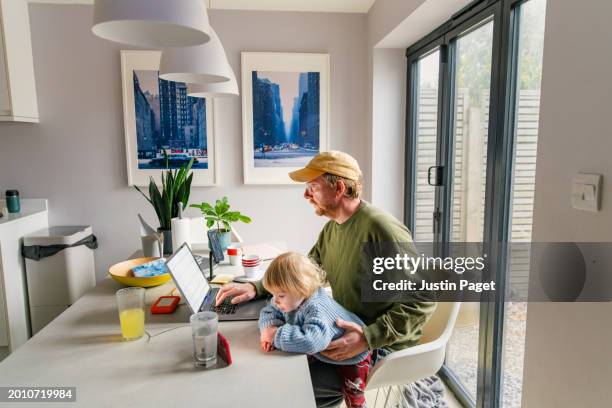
(204, 326)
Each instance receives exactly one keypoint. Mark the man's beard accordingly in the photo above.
(321, 210)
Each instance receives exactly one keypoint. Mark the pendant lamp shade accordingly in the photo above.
(202, 64)
(214, 90)
(152, 23)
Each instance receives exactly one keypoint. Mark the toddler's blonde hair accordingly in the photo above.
(294, 273)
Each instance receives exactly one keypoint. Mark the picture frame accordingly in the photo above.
(278, 141)
(151, 126)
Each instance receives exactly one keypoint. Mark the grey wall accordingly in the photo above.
(568, 355)
(75, 157)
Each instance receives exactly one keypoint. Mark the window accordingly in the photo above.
(527, 58)
(427, 72)
(482, 70)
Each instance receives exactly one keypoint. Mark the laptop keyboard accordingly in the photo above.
(226, 307)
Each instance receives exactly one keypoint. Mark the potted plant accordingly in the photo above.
(176, 186)
(223, 217)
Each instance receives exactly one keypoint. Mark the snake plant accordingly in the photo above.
(176, 186)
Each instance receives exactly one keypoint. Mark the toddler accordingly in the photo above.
(301, 318)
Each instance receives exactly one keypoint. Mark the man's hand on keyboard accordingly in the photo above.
(241, 292)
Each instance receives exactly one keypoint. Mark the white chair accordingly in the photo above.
(421, 361)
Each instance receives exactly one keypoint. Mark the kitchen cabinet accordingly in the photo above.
(17, 85)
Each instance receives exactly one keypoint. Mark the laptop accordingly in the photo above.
(200, 296)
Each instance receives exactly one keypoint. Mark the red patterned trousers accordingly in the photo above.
(354, 382)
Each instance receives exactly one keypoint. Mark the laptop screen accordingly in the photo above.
(188, 277)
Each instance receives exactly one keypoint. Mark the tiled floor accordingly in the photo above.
(379, 402)
(450, 398)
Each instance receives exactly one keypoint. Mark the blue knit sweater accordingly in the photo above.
(311, 327)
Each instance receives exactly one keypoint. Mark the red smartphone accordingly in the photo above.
(165, 305)
(223, 349)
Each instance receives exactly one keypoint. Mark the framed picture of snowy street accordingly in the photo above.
(164, 127)
(285, 105)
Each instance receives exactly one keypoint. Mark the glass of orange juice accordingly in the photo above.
(130, 302)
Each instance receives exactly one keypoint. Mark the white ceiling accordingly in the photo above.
(329, 6)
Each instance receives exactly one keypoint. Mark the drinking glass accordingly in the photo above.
(130, 302)
(204, 327)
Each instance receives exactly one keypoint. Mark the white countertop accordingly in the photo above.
(29, 206)
(83, 348)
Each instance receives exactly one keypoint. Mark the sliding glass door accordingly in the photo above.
(473, 98)
(468, 175)
(526, 58)
(426, 74)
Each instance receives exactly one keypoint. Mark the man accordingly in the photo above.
(333, 187)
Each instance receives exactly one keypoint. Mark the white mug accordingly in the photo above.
(251, 271)
(234, 259)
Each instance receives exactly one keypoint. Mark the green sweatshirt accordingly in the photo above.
(392, 326)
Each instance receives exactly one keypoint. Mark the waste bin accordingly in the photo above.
(59, 263)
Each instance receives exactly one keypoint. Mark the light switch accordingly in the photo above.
(586, 191)
(589, 192)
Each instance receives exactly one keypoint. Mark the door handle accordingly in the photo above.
(437, 177)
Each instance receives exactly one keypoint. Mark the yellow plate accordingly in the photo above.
(122, 273)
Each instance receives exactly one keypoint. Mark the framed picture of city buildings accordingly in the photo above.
(164, 128)
(285, 102)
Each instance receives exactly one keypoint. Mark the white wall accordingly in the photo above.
(568, 358)
(388, 124)
(386, 106)
(385, 15)
(394, 25)
(75, 157)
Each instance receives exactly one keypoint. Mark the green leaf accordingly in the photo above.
(220, 214)
(163, 179)
(222, 206)
(232, 216)
(182, 172)
(244, 219)
(187, 192)
(152, 187)
(158, 204)
(183, 192)
(143, 194)
(204, 207)
(179, 177)
(176, 188)
(166, 159)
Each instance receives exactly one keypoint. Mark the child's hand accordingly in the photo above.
(267, 346)
(267, 334)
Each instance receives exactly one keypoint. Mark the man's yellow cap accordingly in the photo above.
(333, 162)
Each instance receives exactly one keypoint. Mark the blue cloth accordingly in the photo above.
(153, 268)
(311, 327)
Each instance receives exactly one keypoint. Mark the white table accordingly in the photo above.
(83, 348)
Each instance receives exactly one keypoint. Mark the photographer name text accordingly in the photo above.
(446, 285)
